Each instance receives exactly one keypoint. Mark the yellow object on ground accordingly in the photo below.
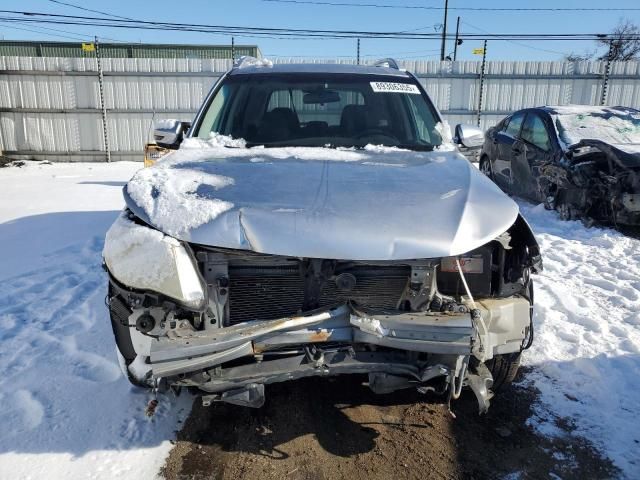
(152, 153)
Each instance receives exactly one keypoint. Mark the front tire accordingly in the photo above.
(504, 369)
(485, 166)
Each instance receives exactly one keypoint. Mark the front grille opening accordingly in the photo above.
(271, 292)
(377, 288)
(264, 293)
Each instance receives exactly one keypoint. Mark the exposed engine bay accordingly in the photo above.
(435, 324)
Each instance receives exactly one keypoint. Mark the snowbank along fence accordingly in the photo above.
(64, 109)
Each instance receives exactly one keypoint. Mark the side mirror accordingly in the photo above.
(468, 136)
(170, 133)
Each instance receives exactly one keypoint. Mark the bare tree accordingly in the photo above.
(579, 57)
(623, 43)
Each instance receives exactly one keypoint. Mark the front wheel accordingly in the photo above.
(485, 167)
(504, 369)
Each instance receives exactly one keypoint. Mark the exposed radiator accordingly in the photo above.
(376, 287)
(270, 292)
(264, 293)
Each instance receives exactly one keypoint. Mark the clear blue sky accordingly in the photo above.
(263, 14)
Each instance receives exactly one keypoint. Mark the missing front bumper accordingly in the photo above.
(507, 321)
(396, 349)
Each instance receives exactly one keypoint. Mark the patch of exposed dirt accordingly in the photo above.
(336, 428)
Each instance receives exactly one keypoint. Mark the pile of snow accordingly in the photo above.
(248, 61)
(222, 147)
(171, 200)
(444, 130)
(215, 140)
(586, 354)
(67, 411)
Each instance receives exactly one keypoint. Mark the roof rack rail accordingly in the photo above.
(249, 61)
(387, 63)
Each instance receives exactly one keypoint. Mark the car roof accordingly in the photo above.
(293, 68)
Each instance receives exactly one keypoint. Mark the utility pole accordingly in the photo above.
(444, 29)
(358, 53)
(607, 72)
(103, 107)
(482, 68)
(455, 45)
(233, 50)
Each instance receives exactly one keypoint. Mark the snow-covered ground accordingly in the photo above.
(587, 348)
(68, 413)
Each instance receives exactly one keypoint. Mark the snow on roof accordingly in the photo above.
(320, 68)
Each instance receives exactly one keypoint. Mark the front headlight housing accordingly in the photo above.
(142, 258)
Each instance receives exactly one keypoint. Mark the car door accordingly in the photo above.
(503, 144)
(533, 150)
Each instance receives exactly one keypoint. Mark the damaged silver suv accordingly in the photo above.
(318, 220)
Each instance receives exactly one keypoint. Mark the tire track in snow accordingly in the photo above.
(62, 388)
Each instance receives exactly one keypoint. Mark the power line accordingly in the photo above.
(40, 17)
(368, 55)
(75, 37)
(41, 29)
(89, 10)
(45, 30)
(475, 9)
(514, 42)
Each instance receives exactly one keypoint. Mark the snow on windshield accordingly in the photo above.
(607, 125)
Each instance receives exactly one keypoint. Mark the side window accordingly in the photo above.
(513, 129)
(535, 132)
(423, 120)
(211, 121)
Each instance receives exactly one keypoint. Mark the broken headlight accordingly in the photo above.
(143, 258)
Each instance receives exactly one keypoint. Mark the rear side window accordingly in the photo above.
(535, 133)
(513, 129)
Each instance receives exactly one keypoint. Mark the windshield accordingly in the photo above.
(338, 110)
(615, 127)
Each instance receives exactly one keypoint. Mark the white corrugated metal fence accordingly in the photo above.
(50, 107)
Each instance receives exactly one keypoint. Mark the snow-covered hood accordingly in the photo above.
(373, 204)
